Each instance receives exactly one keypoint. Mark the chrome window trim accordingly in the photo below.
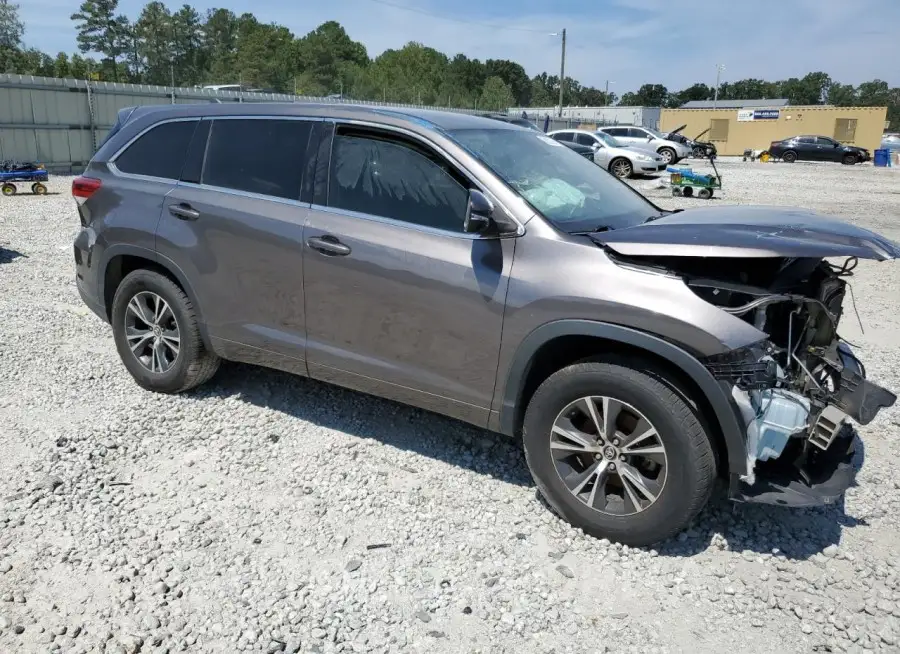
(244, 194)
(462, 169)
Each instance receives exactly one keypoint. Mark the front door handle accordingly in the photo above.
(183, 211)
(328, 245)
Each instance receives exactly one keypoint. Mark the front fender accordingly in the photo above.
(715, 393)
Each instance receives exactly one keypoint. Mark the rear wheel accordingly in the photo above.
(705, 193)
(621, 167)
(687, 191)
(668, 154)
(158, 336)
(8, 189)
(790, 156)
(38, 189)
(618, 453)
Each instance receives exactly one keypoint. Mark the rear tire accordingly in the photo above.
(8, 189)
(668, 154)
(705, 194)
(38, 189)
(190, 366)
(790, 156)
(687, 192)
(689, 468)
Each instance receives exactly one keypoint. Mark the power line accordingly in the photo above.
(494, 26)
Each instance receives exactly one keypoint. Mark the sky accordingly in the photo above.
(625, 42)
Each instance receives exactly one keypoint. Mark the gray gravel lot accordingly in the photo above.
(271, 513)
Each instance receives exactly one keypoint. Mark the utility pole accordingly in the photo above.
(562, 72)
(719, 69)
(606, 93)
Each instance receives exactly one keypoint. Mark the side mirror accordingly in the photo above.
(478, 213)
(649, 137)
(596, 146)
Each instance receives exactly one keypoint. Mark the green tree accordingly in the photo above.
(841, 95)
(496, 95)
(11, 28)
(328, 58)
(514, 76)
(186, 46)
(80, 67)
(220, 37)
(873, 94)
(413, 74)
(101, 30)
(154, 29)
(61, 66)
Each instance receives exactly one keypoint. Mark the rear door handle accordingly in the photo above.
(328, 245)
(183, 211)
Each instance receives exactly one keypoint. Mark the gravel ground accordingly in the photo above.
(270, 513)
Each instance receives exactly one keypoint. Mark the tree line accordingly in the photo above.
(183, 47)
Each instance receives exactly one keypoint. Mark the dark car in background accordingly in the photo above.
(817, 148)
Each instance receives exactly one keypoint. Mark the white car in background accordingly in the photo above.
(619, 159)
(649, 139)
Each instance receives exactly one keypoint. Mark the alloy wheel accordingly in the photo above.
(608, 455)
(152, 332)
(621, 168)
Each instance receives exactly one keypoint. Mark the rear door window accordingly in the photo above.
(159, 152)
(617, 131)
(263, 156)
(563, 136)
(636, 133)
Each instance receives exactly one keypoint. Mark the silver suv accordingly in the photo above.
(486, 272)
(649, 139)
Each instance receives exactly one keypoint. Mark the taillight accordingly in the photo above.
(84, 187)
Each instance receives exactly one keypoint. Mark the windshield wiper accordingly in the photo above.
(661, 215)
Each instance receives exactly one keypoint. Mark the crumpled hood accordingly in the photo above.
(749, 231)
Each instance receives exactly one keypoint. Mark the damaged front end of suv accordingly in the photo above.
(785, 273)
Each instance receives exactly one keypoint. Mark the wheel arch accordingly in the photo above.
(557, 344)
(120, 260)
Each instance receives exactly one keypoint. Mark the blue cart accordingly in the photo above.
(29, 173)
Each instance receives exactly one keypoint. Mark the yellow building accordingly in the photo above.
(735, 130)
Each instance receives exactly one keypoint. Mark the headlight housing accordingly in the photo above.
(643, 157)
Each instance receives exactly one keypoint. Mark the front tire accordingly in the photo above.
(618, 453)
(849, 159)
(621, 168)
(158, 336)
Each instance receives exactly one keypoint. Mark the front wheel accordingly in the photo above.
(618, 453)
(8, 189)
(849, 159)
(621, 168)
(157, 334)
(38, 189)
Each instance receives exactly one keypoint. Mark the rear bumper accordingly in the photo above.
(86, 272)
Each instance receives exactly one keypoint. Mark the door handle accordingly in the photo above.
(328, 245)
(183, 211)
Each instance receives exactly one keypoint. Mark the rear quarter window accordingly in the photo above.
(159, 152)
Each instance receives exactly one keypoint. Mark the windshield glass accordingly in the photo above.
(609, 140)
(654, 132)
(572, 192)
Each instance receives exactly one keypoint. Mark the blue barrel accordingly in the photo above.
(882, 157)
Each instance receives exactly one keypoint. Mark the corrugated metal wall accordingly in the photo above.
(60, 122)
